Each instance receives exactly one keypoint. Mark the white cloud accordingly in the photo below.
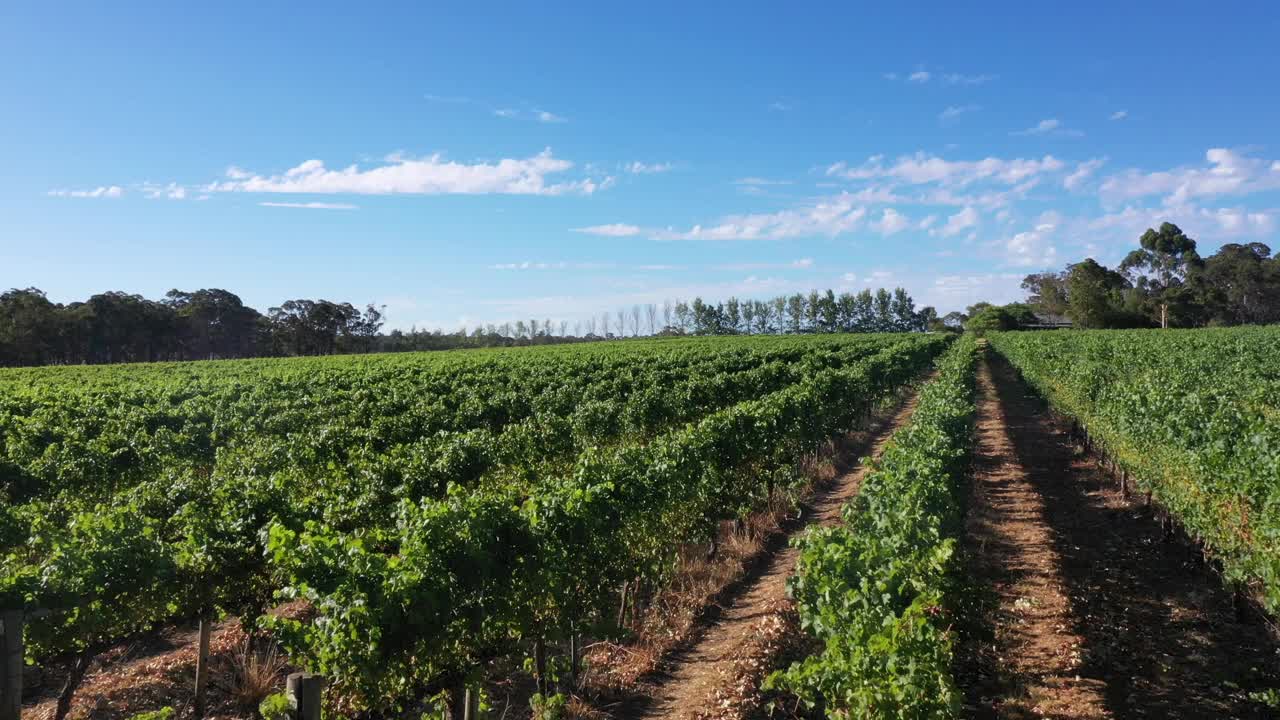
(639, 168)
(828, 216)
(610, 230)
(955, 292)
(431, 175)
(311, 205)
(1119, 114)
(923, 168)
(954, 111)
(1032, 248)
(172, 191)
(549, 117)
(1082, 172)
(779, 107)
(919, 76)
(958, 223)
(103, 191)
(1052, 126)
(927, 222)
(1228, 173)
(1237, 221)
(961, 79)
(506, 112)
(891, 221)
(760, 181)
(561, 265)
(801, 264)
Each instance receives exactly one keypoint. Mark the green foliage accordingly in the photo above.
(436, 510)
(1191, 415)
(164, 713)
(878, 590)
(991, 318)
(276, 707)
(467, 576)
(549, 707)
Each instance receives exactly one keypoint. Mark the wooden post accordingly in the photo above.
(459, 701)
(622, 606)
(202, 667)
(11, 665)
(306, 692)
(573, 656)
(540, 664)
(471, 701)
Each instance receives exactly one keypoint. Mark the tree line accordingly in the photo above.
(1164, 282)
(206, 324)
(215, 324)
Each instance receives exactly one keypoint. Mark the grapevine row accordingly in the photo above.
(184, 538)
(1190, 417)
(471, 576)
(879, 590)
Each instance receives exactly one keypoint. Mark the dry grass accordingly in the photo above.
(255, 674)
(739, 693)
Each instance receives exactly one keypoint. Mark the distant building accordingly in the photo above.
(1049, 321)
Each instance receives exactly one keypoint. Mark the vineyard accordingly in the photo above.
(434, 511)
(416, 528)
(1188, 417)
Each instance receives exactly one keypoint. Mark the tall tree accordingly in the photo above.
(28, 328)
(1159, 268)
(796, 312)
(1241, 284)
(1047, 292)
(1094, 293)
(904, 311)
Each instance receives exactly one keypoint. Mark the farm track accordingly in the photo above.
(691, 675)
(1090, 613)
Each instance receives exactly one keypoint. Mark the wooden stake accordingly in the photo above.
(540, 664)
(202, 667)
(306, 694)
(622, 605)
(573, 655)
(11, 665)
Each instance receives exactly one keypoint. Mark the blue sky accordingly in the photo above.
(479, 162)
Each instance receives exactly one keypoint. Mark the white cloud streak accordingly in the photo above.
(1051, 126)
(431, 175)
(959, 222)
(922, 168)
(610, 230)
(954, 111)
(311, 205)
(961, 79)
(1082, 173)
(103, 191)
(639, 168)
(1228, 172)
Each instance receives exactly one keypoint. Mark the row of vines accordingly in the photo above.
(880, 592)
(435, 512)
(1191, 417)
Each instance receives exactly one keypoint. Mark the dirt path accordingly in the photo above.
(692, 675)
(1091, 614)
